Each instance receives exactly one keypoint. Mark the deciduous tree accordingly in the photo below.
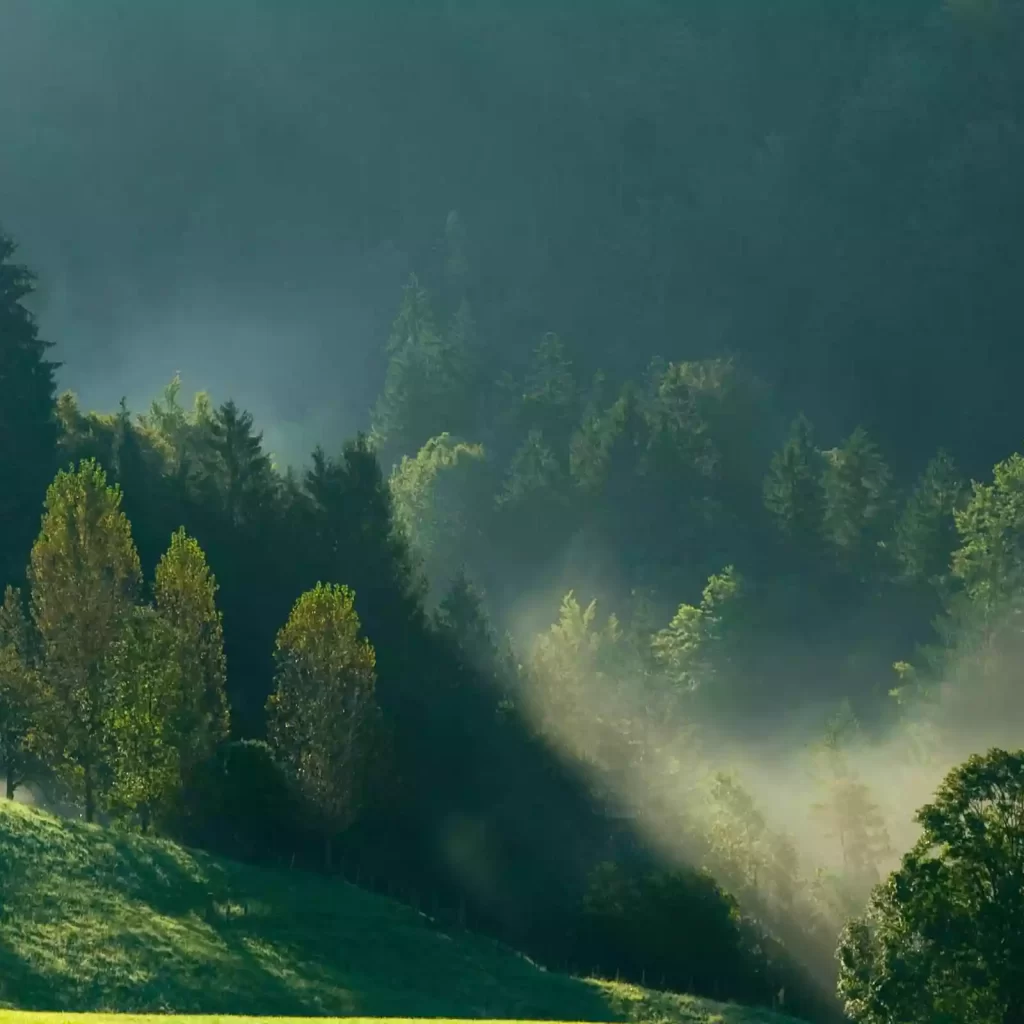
(942, 941)
(84, 574)
(143, 716)
(21, 697)
(185, 593)
(321, 717)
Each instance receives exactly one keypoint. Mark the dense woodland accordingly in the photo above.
(695, 469)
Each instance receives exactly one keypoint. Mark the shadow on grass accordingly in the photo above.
(98, 921)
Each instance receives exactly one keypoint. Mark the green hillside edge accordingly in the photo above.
(94, 920)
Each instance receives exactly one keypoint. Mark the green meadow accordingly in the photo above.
(95, 921)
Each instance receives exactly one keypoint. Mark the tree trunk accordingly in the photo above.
(11, 784)
(90, 798)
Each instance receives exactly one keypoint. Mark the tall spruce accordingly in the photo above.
(28, 420)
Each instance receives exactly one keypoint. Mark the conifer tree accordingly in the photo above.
(925, 533)
(28, 420)
(793, 491)
(856, 500)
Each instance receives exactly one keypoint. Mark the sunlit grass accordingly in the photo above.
(91, 920)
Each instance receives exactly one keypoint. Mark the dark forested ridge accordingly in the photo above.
(672, 572)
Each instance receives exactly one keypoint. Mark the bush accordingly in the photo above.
(673, 927)
(241, 803)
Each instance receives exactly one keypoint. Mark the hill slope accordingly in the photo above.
(99, 921)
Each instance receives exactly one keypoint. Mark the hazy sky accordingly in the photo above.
(171, 172)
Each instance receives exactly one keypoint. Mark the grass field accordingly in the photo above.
(92, 920)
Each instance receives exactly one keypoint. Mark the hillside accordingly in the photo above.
(92, 920)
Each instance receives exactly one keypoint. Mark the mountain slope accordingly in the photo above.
(92, 920)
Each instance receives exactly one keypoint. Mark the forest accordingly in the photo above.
(665, 614)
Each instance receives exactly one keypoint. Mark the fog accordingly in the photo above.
(172, 173)
(236, 192)
(661, 777)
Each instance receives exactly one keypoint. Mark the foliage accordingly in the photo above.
(321, 717)
(242, 803)
(633, 922)
(848, 814)
(856, 498)
(84, 574)
(793, 490)
(28, 423)
(185, 599)
(21, 695)
(990, 558)
(941, 940)
(574, 682)
(430, 504)
(430, 377)
(692, 648)
(143, 717)
(925, 535)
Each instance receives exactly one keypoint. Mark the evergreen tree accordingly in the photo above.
(28, 420)
(462, 618)
(85, 576)
(856, 501)
(240, 469)
(695, 647)
(849, 814)
(925, 534)
(322, 715)
(793, 492)
(990, 559)
(550, 399)
(430, 378)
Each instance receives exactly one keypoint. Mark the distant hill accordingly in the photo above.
(93, 920)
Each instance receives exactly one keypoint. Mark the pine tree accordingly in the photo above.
(856, 500)
(321, 718)
(462, 617)
(793, 492)
(925, 534)
(550, 399)
(848, 813)
(240, 469)
(990, 558)
(84, 575)
(28, 420)
(430, 380)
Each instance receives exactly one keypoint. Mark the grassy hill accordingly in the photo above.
(92, 920)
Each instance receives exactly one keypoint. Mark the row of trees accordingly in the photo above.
(123, 701)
